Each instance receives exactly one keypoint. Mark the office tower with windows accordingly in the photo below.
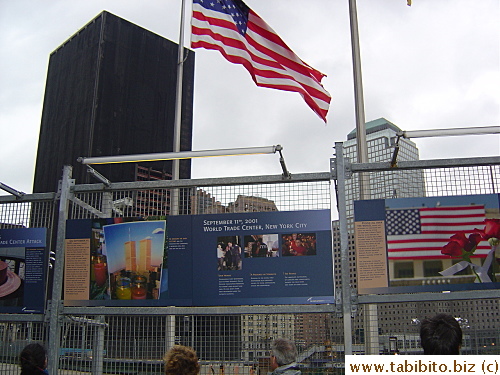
(130, 256)
(144, 262)
(381, 137)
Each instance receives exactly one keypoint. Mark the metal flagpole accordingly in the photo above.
(174, 193)
(371, 315)
(362, 148)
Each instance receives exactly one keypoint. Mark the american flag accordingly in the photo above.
(236, 31)
(421, 233)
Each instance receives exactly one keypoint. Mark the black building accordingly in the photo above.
(111, 90)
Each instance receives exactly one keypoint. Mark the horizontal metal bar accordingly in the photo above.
(449, 132)
(11, 190)
(212, 310)
(224, 181)
(28, 198)
(426, 164)
(179, 155)
(86, 321)
(11, 318)
(421, 297)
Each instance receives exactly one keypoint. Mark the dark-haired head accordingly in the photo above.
(33, 360)
(441, 335)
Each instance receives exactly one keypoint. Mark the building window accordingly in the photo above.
(403, 270)
(432, 268)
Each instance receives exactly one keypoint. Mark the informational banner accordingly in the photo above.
(23, 270)
(413, 245)
(210, 260)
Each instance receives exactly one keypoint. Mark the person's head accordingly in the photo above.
(33, 359)
(283, 352)
(230, 244)
(181, 360)
(441, 334)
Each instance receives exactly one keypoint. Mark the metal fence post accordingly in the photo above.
(107, 204)
(55, 311)
(98, 347)
(344, 247)
(170, 331)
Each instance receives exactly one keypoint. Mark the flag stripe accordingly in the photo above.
(477, 208)
(426, 253)
(436, 247)
(478, 215)
(270, 62)
(425, 257)
(452, 223)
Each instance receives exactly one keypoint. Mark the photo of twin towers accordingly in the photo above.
(135, 253)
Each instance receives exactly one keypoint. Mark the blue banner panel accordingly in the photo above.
(262, 258)
(431, 243)
(177, 273)
(209, 260)
(23, 270)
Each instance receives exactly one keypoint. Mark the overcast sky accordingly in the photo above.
(429, 66)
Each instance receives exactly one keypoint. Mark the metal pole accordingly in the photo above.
(169, 331)
(55, 324)
(362, 148)
(98, 349)
(344, 247)
(192, 331)
(492, 180)
(450, 132)
(371, 314)
(107, 203)
(174, 199)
